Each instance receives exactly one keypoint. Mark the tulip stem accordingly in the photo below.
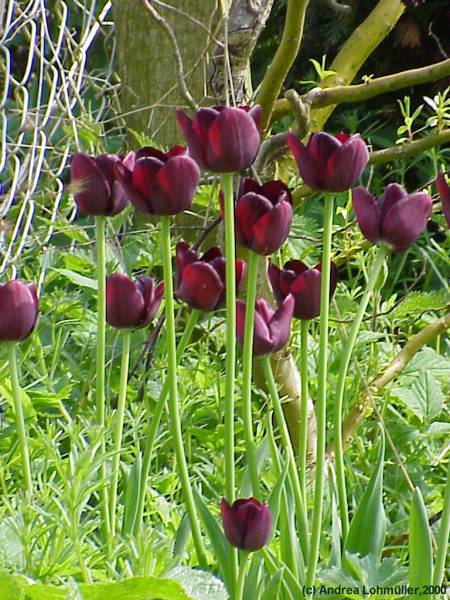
(247, 358)
(100, 230)
(175, 422)
(346, 354)
(20, 421)
(442, 542)
(302, 521)
(303, 429)
(242, 575)
(156, 419)
(321, 404)
(120, 414)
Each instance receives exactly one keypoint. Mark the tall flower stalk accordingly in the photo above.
(303, 429)
(175, 423)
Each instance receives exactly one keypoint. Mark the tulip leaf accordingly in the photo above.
(424, 398)
(275, 496)
(368, 527)
(273, 587)
(199, 584)
(261, 455)
(132, 497)
(77, 279)
(420, 549)
(135, 588)
(182, 537)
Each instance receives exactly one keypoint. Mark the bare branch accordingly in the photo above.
(410, 148)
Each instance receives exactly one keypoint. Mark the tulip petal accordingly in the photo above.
(106, 164)
(367, 214)
(249, 208)
(201, 286)
(119, 198)
(406, 220)
(346, 165)
(258, 529)
(297, 266)
(232, 527)
(444, 194)
(92, 192)
(211, 254)
(256, 114)
(272, 229)
(184, 255)
(178, 180)
(274, 274)
(306, 292)
(248, 185)
(124, 302)
(150, 152)
(124, 176)
(262, 344)
(196, 147)
(19, 308)
(152, 298)
(305, 163)
(321, 147)
(275, 191)
(145, 175)
(280, 324)
(392, 194)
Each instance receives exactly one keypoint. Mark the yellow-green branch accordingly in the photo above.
(410, 148)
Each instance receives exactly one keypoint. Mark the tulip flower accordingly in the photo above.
(201, 281)
(397, 218)
(271, 327)
(129, 304)
(263, 216)
(96, 192)
(303, 283)
(328, 163)
(222, 139)
(247, 523)
(444, 193)
(19, 308)
(159, 183)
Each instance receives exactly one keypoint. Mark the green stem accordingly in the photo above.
(303, 432)
(230, 366)
(286, 439)
(175, 422)
(100, 230)
(120, 414)
(346, 354)
(321, 405)
(241, 577)
(156, 419)
(442, 542)
(247, 358)
(20, 421)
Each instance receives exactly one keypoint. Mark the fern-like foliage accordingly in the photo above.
(417, 303)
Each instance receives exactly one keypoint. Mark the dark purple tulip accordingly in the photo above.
(19, 309)
(397, 218)
(222, 139)
(263, 216)
(271, 327)
(247, 523)
(95, 190)
(303, 283)
(201, 281)
(328, 163)
(444, 193)
(159, 183)
(129, 304)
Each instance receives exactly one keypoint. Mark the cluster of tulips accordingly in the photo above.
(226, 141)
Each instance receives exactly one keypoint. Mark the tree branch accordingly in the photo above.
(284, 57)
(410, 148)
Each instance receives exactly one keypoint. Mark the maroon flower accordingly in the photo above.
(222, 139)
(131, 305)
(303, 283)
(247, 523)
(329, 163)
(159, 183)
(271, 327)
(95, 190)
(397, 218)
(444, 193)
(19, 309)
(201, 281)
(263, 216)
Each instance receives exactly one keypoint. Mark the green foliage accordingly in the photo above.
(420, 550)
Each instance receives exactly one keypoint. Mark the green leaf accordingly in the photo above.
(132, 497)
(135, 588)
(427, 360)
(420, 550)
(198, 584)
(10, 589)
(275, 496)
(38, 591)
(424, 398)
(368, 527)
(273, 587)
(77, 279)
(416, 303)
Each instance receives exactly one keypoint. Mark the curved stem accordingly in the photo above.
(303, 430)
(346, 354)
(175, 422)
(442, 542)
(286, 439)
(100, 230)
(241, 577)
(321, 405)
(156, 419)
(20, 421)
(120, 414)
(247, 352)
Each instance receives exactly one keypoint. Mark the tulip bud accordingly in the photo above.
(263, 216)
(271, 327)
(159, 183)
(222, 139)
(19, 308)
(201, 281)
(247, 523)
(95, 190)
(329, 163)
(397, 218)
(129, 304)
(444, 193)
(304, 284)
